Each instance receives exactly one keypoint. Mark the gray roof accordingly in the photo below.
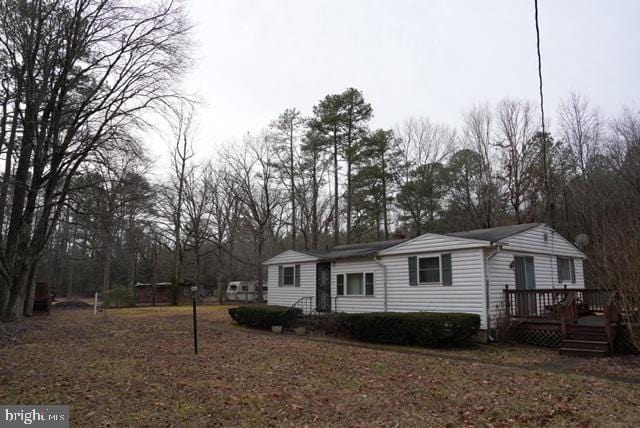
(495, 233)
(370, 249)
(353, 250)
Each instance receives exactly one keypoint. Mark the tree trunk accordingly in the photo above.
(315, 227)
(385, 213)
(293, 189)
(106, 268)
(336, 196)
(31, 291)
(259, 271)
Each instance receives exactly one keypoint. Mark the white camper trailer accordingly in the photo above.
(244, 291)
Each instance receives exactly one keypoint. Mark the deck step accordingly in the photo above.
(586, 344)
(589, 337)
(590, 329)
(576, 352)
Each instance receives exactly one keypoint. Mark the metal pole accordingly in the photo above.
(195, 327)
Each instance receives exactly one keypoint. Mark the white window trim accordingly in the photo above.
(364, 284)
(439, 256)
(293, 266)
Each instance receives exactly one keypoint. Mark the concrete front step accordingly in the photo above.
(586, 344)
(576, 352)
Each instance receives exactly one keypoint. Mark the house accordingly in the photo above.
(455, 272)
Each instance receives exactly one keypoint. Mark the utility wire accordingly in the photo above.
(539, 65)
(547, 187)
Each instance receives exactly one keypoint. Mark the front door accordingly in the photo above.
(525, 280)
(323, 287)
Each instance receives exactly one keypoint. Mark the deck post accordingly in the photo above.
(506, 301)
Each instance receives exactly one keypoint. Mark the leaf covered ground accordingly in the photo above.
(136, 367)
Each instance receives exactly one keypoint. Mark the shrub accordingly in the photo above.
(414, 328)
(264, 316)
(119, 297)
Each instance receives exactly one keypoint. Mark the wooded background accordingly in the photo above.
(81, 211)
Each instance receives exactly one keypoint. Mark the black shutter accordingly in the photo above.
(573, 271)
(558, 266)
(280, 276)
(340, 284)
(297, 276)
(368, 284)
(447, 275)
(413, 271)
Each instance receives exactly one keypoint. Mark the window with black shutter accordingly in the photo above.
(340, 284)
(297, 276)
(369, 284)
(447, 273)
(413, 271)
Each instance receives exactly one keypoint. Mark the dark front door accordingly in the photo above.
(323, 287)
(526, 281)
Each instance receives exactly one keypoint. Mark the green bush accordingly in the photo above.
(119, 297)
(264, 316)
(428, 329)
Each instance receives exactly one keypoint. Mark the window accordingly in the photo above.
(245, 288)
(354, 284)
(566, 269)
(288, 276)
(429, 270)
(357, 284)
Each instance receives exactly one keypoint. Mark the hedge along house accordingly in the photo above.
(458, 272)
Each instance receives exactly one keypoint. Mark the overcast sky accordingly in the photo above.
(409, 58)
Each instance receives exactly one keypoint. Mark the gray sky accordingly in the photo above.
(410, 58)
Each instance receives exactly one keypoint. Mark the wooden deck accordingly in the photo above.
(578, 321)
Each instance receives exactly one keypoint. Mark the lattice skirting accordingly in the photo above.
(553, 339)
(622, 343)
(537, 337)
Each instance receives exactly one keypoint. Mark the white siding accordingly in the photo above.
(546, 275)
(290, 256)
(466, 294)
(433, 242)
(287, 296)
(373, 303)
(532, 241)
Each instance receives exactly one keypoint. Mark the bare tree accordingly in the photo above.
(198, 197)
(254, 178)
(515, 131)
(84, 71)
(105, 200)
(423, 142)
(287, 131)
(226, 215)
(173, 192)
(478, 135)
(581, 130)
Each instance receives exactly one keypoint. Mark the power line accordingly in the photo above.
(547, 186)
(539, 66)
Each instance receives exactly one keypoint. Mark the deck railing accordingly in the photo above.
(549, 303)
